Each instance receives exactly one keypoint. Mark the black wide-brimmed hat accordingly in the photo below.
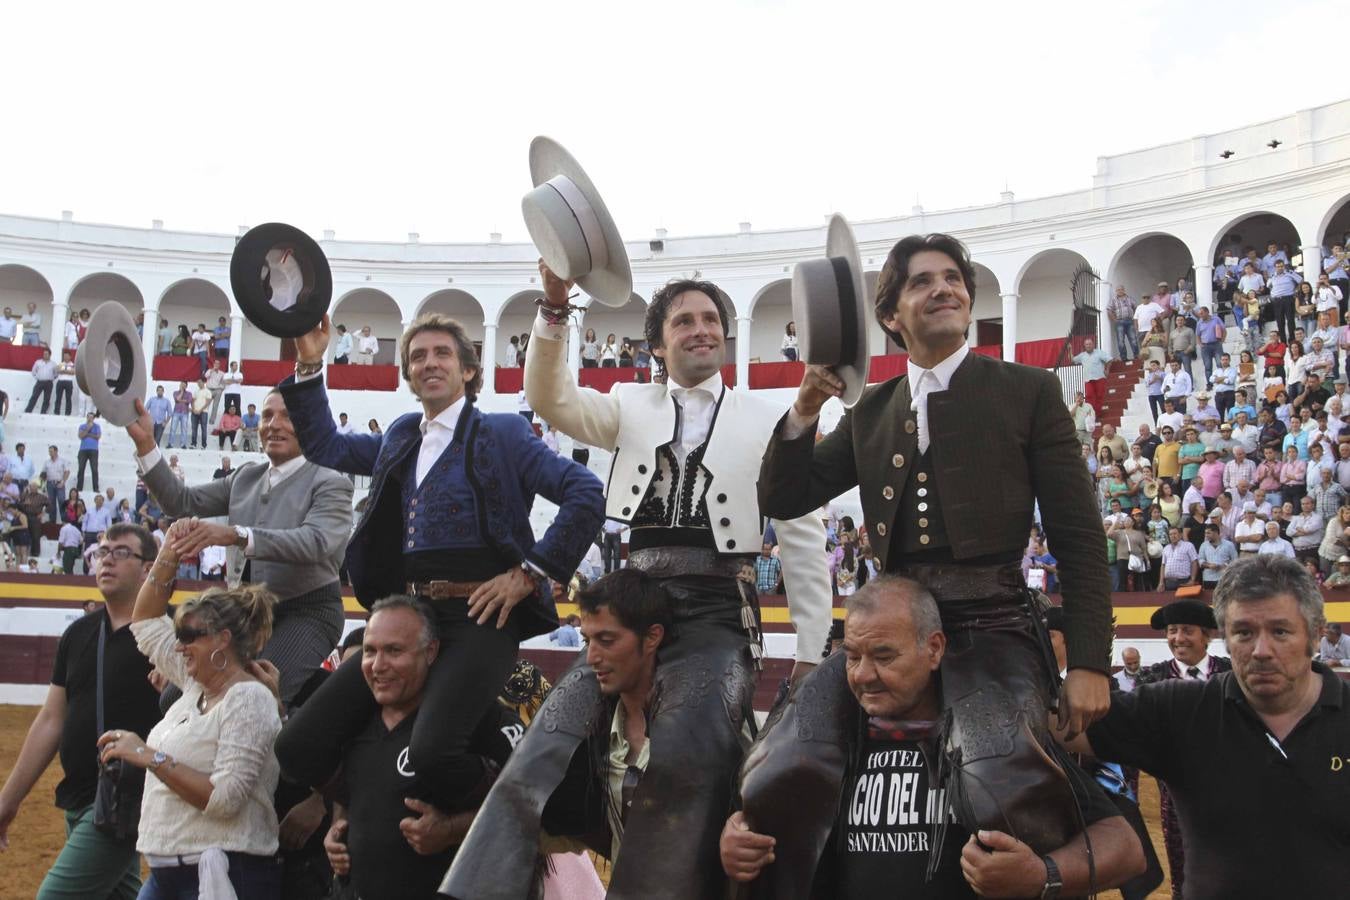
(281, 279)
(110, 365)
(571, 226)
(1183, 612)
(830, 309)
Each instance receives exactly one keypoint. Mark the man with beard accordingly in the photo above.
(1128, 676)
(1190, 628)
(1262, 744)
(916, 446)
(686, 456)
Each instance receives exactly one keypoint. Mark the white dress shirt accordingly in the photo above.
(437, 434)
(696, 404)
(1203, 666)
(923, 382)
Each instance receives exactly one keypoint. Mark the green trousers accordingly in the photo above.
(91, 866)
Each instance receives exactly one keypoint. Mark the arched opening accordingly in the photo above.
(770, 312)
(1150, 259)
(1045, 289)
(21, 287)
(1251, 235)
(368, 307)
(105, 287)
(195, 301)
(1335, 227)
(461, 306)
(515, 320)
(986, 311)
(626, 323)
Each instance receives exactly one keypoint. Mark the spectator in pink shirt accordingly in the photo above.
(1211, 473)
(1293, 476)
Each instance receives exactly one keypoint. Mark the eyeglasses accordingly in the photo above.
(120, 554)
(186, 635)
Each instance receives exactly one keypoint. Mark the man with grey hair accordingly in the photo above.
(886, 738)
(385, 838)
(1266, 740)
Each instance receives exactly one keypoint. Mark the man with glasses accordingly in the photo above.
(91, 864)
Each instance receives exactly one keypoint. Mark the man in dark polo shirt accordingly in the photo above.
(389, 842)
(91, 865)
(1255, 758)
(892, 830)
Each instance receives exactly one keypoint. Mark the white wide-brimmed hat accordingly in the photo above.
(572, 228)
(110, 365)
(830, 309)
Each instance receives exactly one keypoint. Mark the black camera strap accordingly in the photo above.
(98, 674)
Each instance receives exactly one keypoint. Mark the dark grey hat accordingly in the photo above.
(281, 279)
(110, 365)
(829, 305)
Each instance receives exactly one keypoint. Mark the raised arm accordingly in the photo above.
(582, 413)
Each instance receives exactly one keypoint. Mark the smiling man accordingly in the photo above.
(447, 520)
(288, 522)
(918, 448)
(682, 478)
(1255, 758)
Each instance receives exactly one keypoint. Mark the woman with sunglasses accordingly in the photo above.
(206, 817)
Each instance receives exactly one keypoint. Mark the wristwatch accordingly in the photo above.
(157, 760)
(240, 536)
(1054, 882)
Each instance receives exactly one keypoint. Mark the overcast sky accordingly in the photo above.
(377, 119)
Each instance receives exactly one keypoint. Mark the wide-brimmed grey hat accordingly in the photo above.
(281, 279)
(830, 309)
(110, 365)
(571, 226)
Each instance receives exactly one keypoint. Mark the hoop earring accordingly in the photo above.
(223, 664)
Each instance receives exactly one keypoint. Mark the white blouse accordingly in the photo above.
(231, 742)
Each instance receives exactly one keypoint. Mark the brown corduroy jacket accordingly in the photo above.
(1001, 440)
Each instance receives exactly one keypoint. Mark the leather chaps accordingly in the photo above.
(702, 694)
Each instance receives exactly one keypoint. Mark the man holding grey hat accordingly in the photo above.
(917, 448)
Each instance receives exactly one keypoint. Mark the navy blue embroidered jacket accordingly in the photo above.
(506, 465)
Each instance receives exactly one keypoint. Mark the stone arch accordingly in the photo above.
(103, 287)
(770, 312)
(1044, 286)
(1148, 258)
(21, 285)
(364, 306)
(986, 307)
(627, 322)
(1255, 229)
(463, 307)
(1335, 225)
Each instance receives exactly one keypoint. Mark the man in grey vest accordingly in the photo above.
(288, 524)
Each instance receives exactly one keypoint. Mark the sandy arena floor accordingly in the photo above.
(37, 834)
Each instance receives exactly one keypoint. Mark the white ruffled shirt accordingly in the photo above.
(231, 742)
(923, 382)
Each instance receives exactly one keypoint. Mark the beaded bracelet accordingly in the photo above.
(557, 315)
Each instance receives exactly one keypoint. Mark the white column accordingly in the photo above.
(150, 338)
(489, 358)
(1312, 263)
(237, 321)
(1010, 327)
(403, 391)
(57, 334)
(743, 353)
(1204, 286)
(573, 346)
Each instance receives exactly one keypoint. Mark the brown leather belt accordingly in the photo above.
(955, 582)
(668, 562)
(443, 590)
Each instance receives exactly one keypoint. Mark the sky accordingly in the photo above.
(380, 119)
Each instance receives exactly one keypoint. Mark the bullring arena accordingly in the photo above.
(1046, 270)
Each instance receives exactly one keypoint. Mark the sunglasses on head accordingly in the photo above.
(187, 635)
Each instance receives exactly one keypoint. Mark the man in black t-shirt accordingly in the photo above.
(1255, 758)
(91, 864)
(390, 843)
(894, 832)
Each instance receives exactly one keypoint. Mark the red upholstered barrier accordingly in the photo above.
(509, 381)
(178, 368)
(15, 356)
(362, 378)
(603, 379)
(267, 372)
(1043, 354)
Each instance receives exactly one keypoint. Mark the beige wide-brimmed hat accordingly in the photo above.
(110, 365)
(830, 308)
(572, 228)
